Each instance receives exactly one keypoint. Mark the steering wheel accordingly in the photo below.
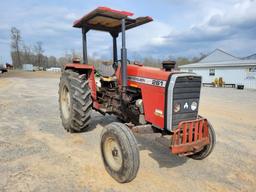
(120, 60)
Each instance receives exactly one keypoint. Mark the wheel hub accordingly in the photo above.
(113, 154)
(65, 102)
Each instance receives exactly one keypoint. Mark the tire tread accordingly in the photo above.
(81, 101)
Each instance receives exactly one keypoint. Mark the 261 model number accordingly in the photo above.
(158, 83)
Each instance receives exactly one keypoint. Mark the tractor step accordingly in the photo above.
(143, 129)
(104, 110)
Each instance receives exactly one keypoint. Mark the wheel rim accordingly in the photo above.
(113, 154)
(65, 102)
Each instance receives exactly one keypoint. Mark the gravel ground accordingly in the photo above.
(36, 154)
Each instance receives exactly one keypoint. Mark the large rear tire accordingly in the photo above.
(74, 101)
(207, 150)
(120, 152)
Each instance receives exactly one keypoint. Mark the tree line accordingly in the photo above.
(22, 53)
(154, 62)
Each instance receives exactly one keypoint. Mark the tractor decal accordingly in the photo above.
(154, 82)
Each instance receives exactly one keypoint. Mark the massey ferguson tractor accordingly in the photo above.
(144, 99)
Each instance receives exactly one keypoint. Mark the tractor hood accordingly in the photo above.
(149, 75)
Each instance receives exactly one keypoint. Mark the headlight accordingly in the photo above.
(193, 106)
(176, 108)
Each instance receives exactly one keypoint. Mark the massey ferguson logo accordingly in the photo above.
(154, 82)
(185, 106)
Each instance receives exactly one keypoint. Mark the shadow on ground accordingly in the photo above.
(159, 152)
(151, 142)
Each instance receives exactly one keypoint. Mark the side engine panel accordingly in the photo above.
(153, 101)
(151, 82)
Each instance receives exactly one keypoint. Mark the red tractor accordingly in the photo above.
(145, 99)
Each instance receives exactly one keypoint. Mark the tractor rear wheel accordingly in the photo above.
(120, 152)
(74, 101)
(206, 151)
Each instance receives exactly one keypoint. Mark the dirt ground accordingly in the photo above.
(36, 154)
(30, 75)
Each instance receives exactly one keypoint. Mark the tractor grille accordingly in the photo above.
(185, 91)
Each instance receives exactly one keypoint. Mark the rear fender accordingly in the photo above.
(89, 71)
(79, 67)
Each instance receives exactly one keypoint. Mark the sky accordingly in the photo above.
(180, 28)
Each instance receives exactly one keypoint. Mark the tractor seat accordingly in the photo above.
(106, 70)
(108, 79)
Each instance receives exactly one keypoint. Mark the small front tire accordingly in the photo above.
(120, 152)
(207, 150)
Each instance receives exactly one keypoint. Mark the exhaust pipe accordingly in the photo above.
(124, 58)
(85, 57)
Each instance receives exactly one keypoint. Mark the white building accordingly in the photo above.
(27, 67)
(233, 70)
(54, 69)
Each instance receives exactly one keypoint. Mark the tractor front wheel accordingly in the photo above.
(120, 152)
(208, 148)
(74, 101)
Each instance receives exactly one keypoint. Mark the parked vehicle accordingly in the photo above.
(3, 68)
(54, 69)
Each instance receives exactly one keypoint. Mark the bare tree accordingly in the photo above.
(69, 55)
(52, 61)
(62, 61)
(15, 46)
(182, 61)
(38, 48)
(151, 61)
(27, 54)
(74, 54)
(45, 61)
(197, 59)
